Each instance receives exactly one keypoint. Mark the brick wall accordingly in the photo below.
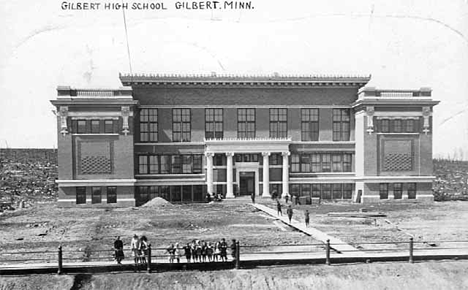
(165, 95)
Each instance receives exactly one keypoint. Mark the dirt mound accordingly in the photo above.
(157, 202)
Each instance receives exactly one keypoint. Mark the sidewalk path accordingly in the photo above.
(336, 244)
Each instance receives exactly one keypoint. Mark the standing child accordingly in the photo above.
(118, 250)
(290, 213)
(188, 252)
(217, 252)
(135, 248)
(223, 249)
(209, 252)
(306, 217)
(278, 208)
(171, 251)
(233, 249)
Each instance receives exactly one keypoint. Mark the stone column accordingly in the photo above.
(229, 192)
(209, 172)
(285, 173)
(266, 174)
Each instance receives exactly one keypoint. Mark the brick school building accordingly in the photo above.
(320, 138)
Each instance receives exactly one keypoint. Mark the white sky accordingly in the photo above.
(402, 43)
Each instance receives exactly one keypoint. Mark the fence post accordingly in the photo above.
(148, 266)
(411, 250)
(59, 271)
(237, 255)
(327, 260)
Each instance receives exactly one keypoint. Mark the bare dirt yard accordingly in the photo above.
(425, 222)
(45, 226)
(447, 275)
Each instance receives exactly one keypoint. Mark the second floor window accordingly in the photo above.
(341, 126)
(213, 123)
(246, 123)
(181, 125)
(278, 123)
(149, 125)
(170, 164)
(310, 124)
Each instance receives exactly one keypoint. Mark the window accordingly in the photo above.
(341, 127)
(347, 161)
(310, 124)
(143, 164)
(176, 163)
(337, 165)
(246, 157)
(315, 163)
(305, 163)
(305, 190)
(326, 163)
(337, 192)
(347, 190)
(81, 126)
(80, 195)
(316, 190)
(165, 164)
(409, 126)
(149, 125)
(397, 190)
(108, 126)
(95, 126)
(111, 194)
(246, 123)
(278, 123)
(397, 126)
(295, 164)
(181, 125)
(213, 123)
(96, 195)
(383, 191)
(187, 164)
(153, 164)
(411, 190)
(326, 191)
(219, 160)
(276, 159)
(385, 125)
(197, 163)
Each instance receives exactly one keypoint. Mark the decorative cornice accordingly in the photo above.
(242, 80)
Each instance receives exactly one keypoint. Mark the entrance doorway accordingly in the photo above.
(247, 182)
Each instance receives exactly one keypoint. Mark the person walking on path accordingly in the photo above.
(118, 250)
(252, 196)
(286, 197)
(306, 217)
(290, 213)
(278, 208)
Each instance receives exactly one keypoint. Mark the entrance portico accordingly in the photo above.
(230, 147)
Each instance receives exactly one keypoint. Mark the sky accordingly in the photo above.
(403, 44)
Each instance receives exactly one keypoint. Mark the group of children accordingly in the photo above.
(202, 251)
(195, 251)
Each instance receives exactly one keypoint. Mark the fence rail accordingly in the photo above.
(250, 252)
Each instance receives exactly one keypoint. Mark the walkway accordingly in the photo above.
(337, 244)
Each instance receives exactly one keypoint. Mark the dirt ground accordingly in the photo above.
(45, 227)
(447, 275)
(85, 232)
(425, 222)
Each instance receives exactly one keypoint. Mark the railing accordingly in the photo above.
(325, 252)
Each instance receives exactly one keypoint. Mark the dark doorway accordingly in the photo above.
(247, 183)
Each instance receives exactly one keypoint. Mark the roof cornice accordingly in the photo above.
(242, 80)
